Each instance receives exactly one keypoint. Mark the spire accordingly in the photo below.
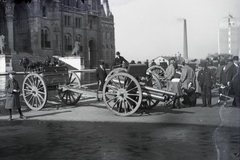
(105, 5)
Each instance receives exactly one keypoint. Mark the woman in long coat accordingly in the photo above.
(13, 92)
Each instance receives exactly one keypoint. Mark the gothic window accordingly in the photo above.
(78, 22)
(90, 24)
(45, 36)
(44, 11)
(68, 42)
(68, 2)
(67, 21)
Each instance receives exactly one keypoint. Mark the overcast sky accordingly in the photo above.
(145, 29)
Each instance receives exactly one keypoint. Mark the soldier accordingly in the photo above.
(206, 81)
(119, 61)
(169, 74)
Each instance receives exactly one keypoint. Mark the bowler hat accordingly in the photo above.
(118, 53)
(235, 58)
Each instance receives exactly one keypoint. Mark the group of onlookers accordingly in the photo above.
(191, 82)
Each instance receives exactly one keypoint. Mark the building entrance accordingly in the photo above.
(21, 28)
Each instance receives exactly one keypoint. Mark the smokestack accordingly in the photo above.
(185, 44)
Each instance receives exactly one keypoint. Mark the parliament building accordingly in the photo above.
(51, 27)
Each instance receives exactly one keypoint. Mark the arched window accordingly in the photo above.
(68, 42)
(45, 40)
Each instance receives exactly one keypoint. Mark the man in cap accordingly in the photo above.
(13, 92)
(187, 80)
(206, 81)
(119, 61)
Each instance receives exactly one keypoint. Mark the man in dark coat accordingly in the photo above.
(206, 81)
(101, 75)
(13, 99)
(231, 69)
(119, 61)
(235, 88)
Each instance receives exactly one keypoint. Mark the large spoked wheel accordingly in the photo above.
(34, 91)
(116, 70)
(122, 94)
(157, 70)
(68, 97)
(149, 103)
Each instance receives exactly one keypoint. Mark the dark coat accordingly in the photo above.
(206, 78)
(12, 100)
(235, 85)
(231, 71)
(119, 61)
(101, 75)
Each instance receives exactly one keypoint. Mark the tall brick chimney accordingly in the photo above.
(185, 44)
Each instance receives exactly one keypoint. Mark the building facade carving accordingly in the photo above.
(51, 27)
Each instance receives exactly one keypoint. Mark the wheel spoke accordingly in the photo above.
(28, 85)
(129, 105)
(132, 89)
(109, 100)
(73, 80)
(132, 100)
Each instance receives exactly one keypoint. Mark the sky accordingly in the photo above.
(146, 29)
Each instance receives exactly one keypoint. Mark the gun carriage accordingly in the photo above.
(124, 91)
(36, 85)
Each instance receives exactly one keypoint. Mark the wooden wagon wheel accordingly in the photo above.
(122, 94)
(68, 97)
(115, 70)
(157, 70)
(150, 103)
(34, 91)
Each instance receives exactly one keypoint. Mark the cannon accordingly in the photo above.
(125, 92)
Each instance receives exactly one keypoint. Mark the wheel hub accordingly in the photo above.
(34, 91)
(122, 94)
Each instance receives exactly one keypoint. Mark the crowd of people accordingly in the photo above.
(192, 81)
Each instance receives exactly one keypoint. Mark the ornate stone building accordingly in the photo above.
(51, 27)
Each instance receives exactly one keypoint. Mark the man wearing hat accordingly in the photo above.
(235, 88)
(119, 61)
(231, 69)
(206, 81)
(101, 75)
(13, 92)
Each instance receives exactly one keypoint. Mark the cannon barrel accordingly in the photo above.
(153, 96)
(146, 88)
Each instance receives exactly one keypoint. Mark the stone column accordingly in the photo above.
(9, 10)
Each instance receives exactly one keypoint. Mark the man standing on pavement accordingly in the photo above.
(169, 74)
(235, 88)
(187, 79)
(119, 61)
(206, 81)
(101, 75)
(231, 69)
(13, 99)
